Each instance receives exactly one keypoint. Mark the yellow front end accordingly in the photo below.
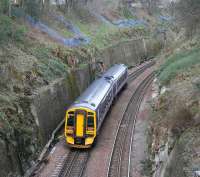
(80, 127)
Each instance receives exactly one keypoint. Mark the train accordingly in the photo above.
(85, 116)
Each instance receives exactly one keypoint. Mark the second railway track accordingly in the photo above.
(119, 165)
(136, 73)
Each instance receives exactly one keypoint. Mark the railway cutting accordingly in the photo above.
(75, 162)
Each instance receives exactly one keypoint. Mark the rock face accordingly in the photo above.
(50, 102)
(130, 52)
(49, 105)
(184, 159)
(5, 161)
(174, 128)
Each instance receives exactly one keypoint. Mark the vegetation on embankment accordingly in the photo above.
(103, 34)
(177, 63)
(174, 143)
(175, 118)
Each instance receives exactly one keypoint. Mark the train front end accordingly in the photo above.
(80, 127)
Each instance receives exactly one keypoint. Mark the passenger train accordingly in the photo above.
(86, 115)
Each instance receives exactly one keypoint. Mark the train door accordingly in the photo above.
(80, 125)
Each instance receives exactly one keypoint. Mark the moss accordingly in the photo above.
(72, 85)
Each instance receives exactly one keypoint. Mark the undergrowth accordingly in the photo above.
(177, 63)
(146, 167)
(49, 67)
(126, 13)
(10, 31)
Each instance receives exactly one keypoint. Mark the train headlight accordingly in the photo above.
(89, 140)
(69, 131)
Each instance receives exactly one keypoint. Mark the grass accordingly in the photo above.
(50, 67)
(10, 30)
(126, 13)
(101, 34)
(177, 63)
(58, 26)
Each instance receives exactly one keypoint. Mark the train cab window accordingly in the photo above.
(90, 113)
(90, 121)
(70, 121)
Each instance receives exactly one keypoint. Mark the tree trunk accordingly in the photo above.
(9, 8)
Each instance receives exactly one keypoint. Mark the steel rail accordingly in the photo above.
(132, 133)
(74, 164)
(134, 75)
(115, 161)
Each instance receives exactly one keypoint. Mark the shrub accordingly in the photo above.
(4, 5)
(5, 28)
(146, 167)
(49, 67)
(188, 13)
(126, 13)
(32, 7)
(19, 33)
(10, 31)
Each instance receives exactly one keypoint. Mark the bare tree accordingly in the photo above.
(150, 5)
(188, 14)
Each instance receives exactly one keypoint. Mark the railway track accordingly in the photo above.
(136, 73)
(76, 161)
(120, 162)
(74, 164)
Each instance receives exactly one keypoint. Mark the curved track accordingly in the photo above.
(136, 73)
(119, 164)
(76, 161)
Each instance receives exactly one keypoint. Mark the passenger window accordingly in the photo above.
(90, 121)
(70, 121)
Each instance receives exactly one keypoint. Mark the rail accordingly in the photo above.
(118, 163)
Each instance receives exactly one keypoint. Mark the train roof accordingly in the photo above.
(94, 94)
(115, 71)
